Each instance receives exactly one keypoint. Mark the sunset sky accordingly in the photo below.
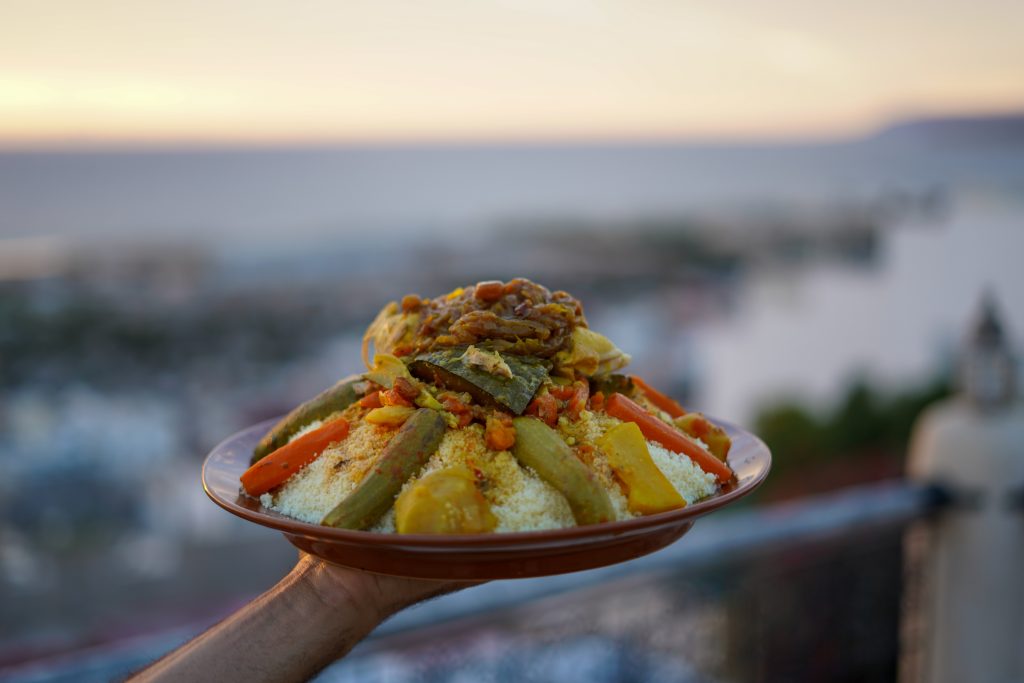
(234, 71)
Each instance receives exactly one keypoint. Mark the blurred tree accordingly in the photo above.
(865, 436)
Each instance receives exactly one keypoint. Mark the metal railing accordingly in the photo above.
(719, 539)
(727, 538)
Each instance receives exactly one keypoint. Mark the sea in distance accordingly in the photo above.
(820, 324)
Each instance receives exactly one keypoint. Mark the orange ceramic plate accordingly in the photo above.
(481, 556)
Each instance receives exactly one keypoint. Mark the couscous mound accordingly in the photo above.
(493, 408)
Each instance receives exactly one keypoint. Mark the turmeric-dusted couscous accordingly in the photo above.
(490, 409)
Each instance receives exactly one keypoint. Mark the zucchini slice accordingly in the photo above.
(451, 369)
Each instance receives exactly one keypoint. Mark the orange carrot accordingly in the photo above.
(561, 392)
(671, 438)
(371, 400)
(462, 412)
(276, 468)
(392, 397)
(578, 401)
(666, 403)
(544, 406)
(499, 434)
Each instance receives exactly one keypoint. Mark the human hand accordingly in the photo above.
(313, 616)
(376, 596)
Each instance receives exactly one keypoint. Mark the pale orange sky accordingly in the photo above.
(254, 71)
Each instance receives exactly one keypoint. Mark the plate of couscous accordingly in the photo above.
(493, 435)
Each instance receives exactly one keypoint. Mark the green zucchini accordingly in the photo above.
(403, 457)
(451, 369)
(542, 449)
(340, 396)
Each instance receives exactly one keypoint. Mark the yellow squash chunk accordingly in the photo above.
(389, 416)
(647, 489)
(444, 502)
(699, 427)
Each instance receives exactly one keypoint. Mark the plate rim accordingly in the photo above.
(506, 540)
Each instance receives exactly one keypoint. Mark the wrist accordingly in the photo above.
(342, 594)
(374, 596)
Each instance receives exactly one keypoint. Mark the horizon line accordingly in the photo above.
(213, 143)
(184, 144)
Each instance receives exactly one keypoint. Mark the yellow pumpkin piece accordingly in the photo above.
(444, 502)
(389, 416)
(647, 489)
(699, 427)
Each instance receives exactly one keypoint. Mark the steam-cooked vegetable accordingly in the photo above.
(389, 416)
(458, 413)
(450, 368)
(337, 398)
(668, 436)
(403, 457)
(371, 400)
(699, 427)
(612, 384)
(545, 408)
(663, 402)
(499, 433)
(276, 468)
(388, 370)
(590, 354)
(444, 502)
(542, 449)
(578, 401)
(647, 489)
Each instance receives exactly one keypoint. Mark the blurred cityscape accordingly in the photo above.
(816, 292)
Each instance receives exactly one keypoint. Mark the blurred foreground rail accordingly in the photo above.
(724, 539)
(696, 611)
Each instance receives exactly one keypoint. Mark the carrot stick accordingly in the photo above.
(276, 468)
(371, 400)
(578, 401)
(544, 406)
(666, 403)
(563, 393)
(671, 438)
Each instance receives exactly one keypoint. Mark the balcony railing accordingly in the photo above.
(703, 609)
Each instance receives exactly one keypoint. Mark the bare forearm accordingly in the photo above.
(313, 616)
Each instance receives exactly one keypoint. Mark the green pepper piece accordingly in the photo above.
(403, 457)
(451, 369)
(340, 396)
(541, 448)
